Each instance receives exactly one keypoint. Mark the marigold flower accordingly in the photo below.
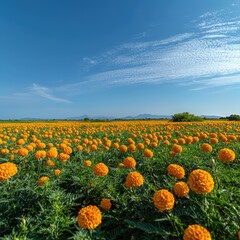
(42, 180)
(176, 171)
(57, 172)
(106, 204)
(100, 169)
(67, 150)
(200, 181)
(163, 200)
(87, 163)
(140, 146)
(226, 155)
(181, 189)
(93, 147)
(148, 153)
(7, 170)
(120, 165)
(129, 162)
(40, 154)
(50, 163)
(206, 147)
(52, 152)
(123, 148)
(132, 147)
(89, 217)
(196, 232)
(63, 157)
(23, 152)
(134, 179)
(213, 140)
(176, 148)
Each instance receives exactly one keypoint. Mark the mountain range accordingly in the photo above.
(102, 117)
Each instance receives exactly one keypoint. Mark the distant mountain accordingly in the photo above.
(210, 116)
(102, 117)
(148, 116)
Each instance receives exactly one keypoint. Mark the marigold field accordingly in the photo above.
(120, 180)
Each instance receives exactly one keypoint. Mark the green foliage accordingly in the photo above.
(186, 117)
(233, 117)
(28, 211)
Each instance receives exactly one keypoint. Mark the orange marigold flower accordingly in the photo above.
(200, 181)
(176, 148)
(181, 189)
(20, 142)
(42, 180)
(87, 163)
(106, 204)
(129, 162)
(181, 141)
(57, 172)
(67, 150)
(176, 171)
(52, 152)
(23, 152)
(89, 217)
(132, 147)
(100, 169)
(140, 146)
(213, 140)
(226, 155)
(148, 153)
(7, 170)
(123, 148)
(115, 145)
(40, 154)
(63, 157)
(196, 232)
(206, 147)
(120, 165)
(93, 147)
(50, 163)
(163, 200)
(134, 179)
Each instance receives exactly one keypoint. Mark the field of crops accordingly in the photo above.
(120, 180)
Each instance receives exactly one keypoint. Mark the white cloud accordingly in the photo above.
(45, 93)
(209, 56)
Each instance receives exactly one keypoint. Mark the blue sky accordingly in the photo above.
(62, 59)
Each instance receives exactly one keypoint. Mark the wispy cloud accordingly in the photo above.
(45, 93)
(206, 56)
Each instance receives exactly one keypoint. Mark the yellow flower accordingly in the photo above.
(196, 232)
(42, 180)
(100, 169)
(176, 171)
(129, 162)
(106, 204)
(226, 155)
(134, 179)
(89, 217)
(181, 189)
(200, 181)
(163, 200)
(7, 170)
